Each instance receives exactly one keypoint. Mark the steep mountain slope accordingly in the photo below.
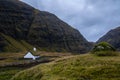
(38, 28)
(112, 37)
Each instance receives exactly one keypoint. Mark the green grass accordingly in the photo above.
(105, 53)
(13, 45)
(27, 45)
(80, 67)
(7, 72)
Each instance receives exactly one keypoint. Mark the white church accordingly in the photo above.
(29, 55)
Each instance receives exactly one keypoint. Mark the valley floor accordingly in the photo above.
(12, 63)
(77, 67)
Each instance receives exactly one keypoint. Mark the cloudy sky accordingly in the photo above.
(93, 18)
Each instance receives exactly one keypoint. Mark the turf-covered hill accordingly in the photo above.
(21, 24)
(103, 46)
(112, 37)
(104, 49)
(82, 67)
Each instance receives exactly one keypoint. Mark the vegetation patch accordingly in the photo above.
(7, 72)
(106, 53)
(104, 49)
(83, 67)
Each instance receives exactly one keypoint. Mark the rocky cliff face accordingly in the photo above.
(112, 37)
(44, 30)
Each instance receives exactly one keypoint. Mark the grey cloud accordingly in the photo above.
(93, 18)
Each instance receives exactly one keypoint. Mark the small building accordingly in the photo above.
(29, 55)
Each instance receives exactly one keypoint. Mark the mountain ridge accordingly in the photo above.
(112, 37)
(41, 29)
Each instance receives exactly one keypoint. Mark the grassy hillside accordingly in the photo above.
(13, 45)
(7, 72)
(82, 67)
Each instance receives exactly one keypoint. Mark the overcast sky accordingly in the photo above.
(93, 18)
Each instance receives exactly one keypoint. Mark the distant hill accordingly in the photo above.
(112, 37)
(21, 22)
